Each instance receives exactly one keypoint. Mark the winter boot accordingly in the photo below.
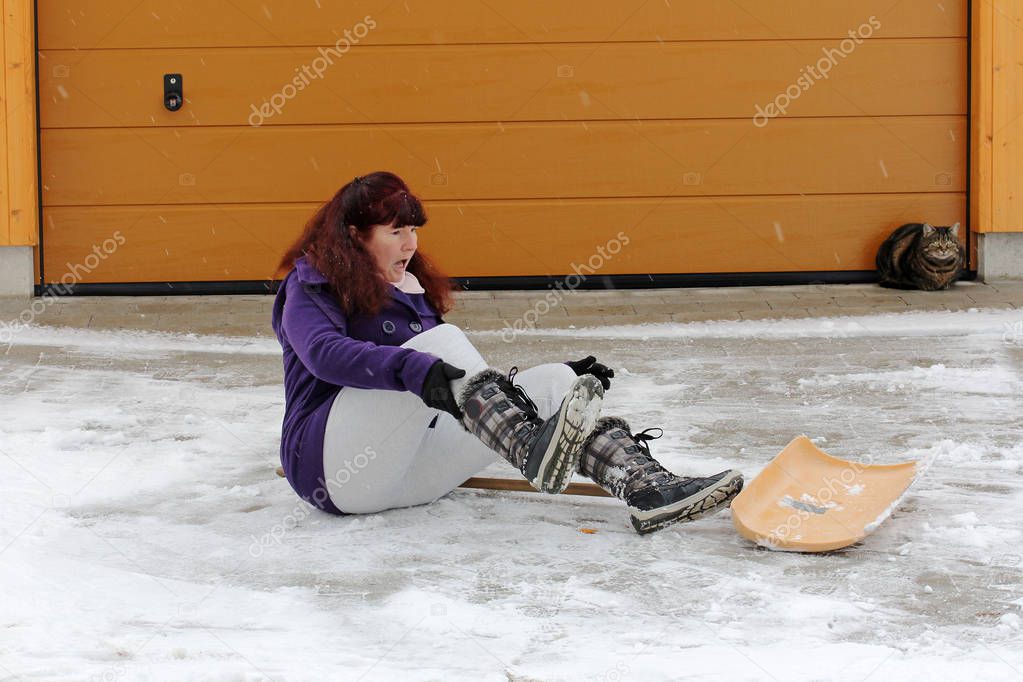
(503, 416)
(620, 463)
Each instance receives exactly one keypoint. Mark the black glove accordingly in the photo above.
(589, 365)
(437, 388)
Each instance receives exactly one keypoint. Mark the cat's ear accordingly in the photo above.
(955, 230)
(928, 229)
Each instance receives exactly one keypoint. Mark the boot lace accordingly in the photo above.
(641, 465)
(518, 394)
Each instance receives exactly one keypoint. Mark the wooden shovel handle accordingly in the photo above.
(482, 483)
(590, 489)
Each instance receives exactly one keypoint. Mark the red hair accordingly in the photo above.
(379, 198)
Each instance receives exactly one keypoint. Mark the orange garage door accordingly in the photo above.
(701, 137)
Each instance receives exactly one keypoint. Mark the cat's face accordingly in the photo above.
(941, 243)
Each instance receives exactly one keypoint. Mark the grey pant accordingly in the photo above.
(380, 452)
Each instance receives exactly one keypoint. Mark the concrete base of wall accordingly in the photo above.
(999, 255)
(17, 271)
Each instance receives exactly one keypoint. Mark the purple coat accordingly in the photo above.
(324, 350)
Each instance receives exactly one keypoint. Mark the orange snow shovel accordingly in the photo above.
(805, 500)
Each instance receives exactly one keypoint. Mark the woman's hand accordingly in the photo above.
(589, 365)
(437, 388)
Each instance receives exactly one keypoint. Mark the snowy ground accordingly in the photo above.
(144, 535)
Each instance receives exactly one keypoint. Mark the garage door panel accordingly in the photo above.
(538, 126)
(729, 79)
(530, 237)
(80, 24)
(485, 161)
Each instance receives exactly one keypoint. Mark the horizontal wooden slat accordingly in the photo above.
(79, 24)
(1006, 119)
(982, 148)
(500, 83)
(497, 238)
(480, 161)
(5, 198)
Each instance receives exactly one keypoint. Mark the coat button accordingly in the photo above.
(388, 327)
(415, 326)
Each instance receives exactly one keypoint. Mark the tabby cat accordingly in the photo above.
(920, 256)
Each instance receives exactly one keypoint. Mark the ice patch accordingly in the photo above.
(988, 323)
(147, 571)
(141, 343)
(991, 380)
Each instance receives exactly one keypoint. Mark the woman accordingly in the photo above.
(387, 406)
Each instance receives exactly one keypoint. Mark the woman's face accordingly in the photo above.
(392, 248)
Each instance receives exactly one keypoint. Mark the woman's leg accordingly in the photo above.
(620, 462)
(368, 443)
(449, 454)
(386, 449)
(372, 436)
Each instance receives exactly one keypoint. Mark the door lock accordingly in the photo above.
(173, 91)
